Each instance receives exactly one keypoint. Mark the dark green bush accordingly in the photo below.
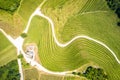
(92, 73)
(24, 35)
(95, 74)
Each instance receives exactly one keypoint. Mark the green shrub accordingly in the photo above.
(24, 35)
(20, 56)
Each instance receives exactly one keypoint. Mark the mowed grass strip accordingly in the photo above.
(7, 50)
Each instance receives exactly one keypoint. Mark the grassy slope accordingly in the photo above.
(70, 21)
(68, 25)
(7, 51)
(103, 29)
(70, 8)
(57, 55)
(75, 55)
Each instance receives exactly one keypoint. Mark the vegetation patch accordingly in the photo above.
(20, 56)
(23, 35)
(115, 6)
(92, 73)
(10, 71)
(9, 5)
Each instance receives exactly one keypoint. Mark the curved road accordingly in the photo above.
(38, 12)
(18, 43)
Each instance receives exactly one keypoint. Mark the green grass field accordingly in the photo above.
(103, 29)
(72, 18)
(70, 8)
(78, 53)
(7, 50)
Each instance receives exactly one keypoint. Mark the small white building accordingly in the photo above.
(30, 52)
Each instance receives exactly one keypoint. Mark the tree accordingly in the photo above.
(10, 71)
(24, 35)
(20, 56)
(118, 12)
(95, 73)
(9, 5)
(78, 73)
(118, 23)
(74, 73)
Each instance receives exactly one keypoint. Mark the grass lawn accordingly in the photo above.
(7, 50)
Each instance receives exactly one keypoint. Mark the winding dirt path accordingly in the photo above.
(38, 12)
(18, 43)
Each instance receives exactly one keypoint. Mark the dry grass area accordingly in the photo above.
(11, 24)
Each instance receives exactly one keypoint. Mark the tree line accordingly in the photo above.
(92, 73)
(115, 6)
(10, 71)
